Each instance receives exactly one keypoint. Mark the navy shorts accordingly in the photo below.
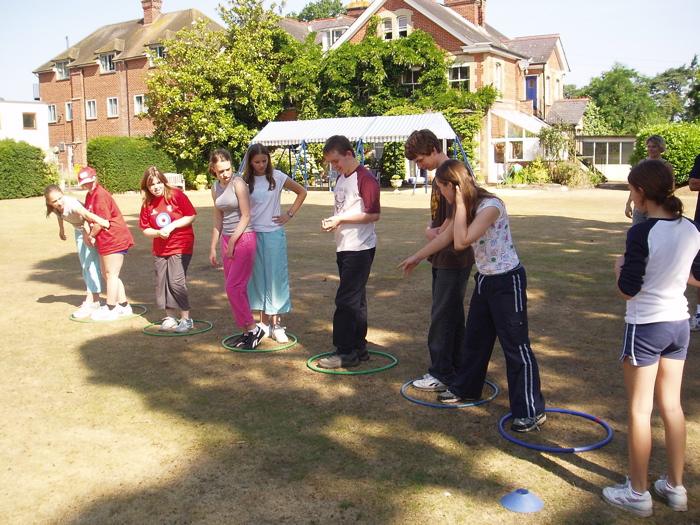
(645, 344)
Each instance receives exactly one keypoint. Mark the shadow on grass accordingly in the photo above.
(279, 443)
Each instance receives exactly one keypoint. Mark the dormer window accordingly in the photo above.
(388, 29)
(107, 63)
(157, 52)
(62, 70)
(335, 35)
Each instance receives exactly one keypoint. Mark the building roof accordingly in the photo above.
(127, 39)
(567, 111)
(299, 30)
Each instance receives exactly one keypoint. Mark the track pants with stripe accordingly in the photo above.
(498, 308)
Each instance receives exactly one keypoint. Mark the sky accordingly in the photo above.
(651, 37)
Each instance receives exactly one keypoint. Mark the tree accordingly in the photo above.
(593, 122)
(670, 89)
(215, 88)
(320, 9)
(622, 95)
(23, 172)
(693, 108)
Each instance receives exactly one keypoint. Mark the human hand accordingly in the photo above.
(281, 219)
(103, 223)
(62, 235)
(329, 224)
(212, 258)
(431, 233)
(230, 249)
(164, 233)
(459, 200)
(628, 210)
(89, 240)
(408, 265)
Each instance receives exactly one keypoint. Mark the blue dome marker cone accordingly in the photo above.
(522, 500)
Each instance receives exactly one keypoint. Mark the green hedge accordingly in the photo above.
(682, 146)
(23, 172)
(121, 161)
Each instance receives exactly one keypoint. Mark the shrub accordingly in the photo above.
(23, 172)
(393, 162)
(535, 172)
(682, 146)
(573, 175)
(121, 161)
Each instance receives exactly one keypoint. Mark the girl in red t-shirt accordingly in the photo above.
(166, 217)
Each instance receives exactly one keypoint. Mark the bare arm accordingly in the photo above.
(443, 240)
(89, 216)
(331, 223)
(241, 189)
(628, 207)
(694, 184)
(466, 235)
(216, 230)
(301, 195)
(61, 229)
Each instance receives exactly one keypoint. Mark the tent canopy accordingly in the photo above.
(368, 129)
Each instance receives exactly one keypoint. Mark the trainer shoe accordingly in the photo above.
(362, 354)
(526, 424)
(168, 324)
(677, 497)
(254, 339)
(622, 496)
(86, 310)
(123, 310)
(448, 397)
(277, 333)
(429, 384)
(695, 323)
(103, 313)
(185, 325)
(265, 328)
(337, 360)
(239, 341)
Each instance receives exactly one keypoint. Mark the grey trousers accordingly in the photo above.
(171, 288)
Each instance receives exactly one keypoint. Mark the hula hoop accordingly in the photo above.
(122, 318)
(173, 334)
(292, 342)
(442, 405)
(358, 372)
(560, 449)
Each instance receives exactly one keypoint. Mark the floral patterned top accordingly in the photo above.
(494, 251)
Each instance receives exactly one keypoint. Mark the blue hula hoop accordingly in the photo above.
(442, 405)
(560, 449)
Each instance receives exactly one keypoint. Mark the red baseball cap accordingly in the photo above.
(86, 175)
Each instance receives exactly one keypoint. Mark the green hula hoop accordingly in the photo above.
(358, 372)
(292, 342)
(173, 334)
(123, 318)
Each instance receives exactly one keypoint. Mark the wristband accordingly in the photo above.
(290, 214)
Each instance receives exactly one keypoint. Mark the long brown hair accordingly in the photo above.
(657, 184)
(456, 173)
(150, 174)
(51, 188)
(249, 172)
(220, 155)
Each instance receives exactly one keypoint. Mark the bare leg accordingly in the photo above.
(111, 266)
(668, 396)
(639, 381)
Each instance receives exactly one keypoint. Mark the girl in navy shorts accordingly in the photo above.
(661, 257)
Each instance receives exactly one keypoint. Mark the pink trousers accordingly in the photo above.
(237, 274)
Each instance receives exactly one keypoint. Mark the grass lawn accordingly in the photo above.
(102, 424)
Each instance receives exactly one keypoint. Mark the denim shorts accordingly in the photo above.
(645, 344)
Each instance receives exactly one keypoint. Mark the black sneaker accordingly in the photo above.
(362, 354)
(254, 339)
(239, 341)
(526, 424)
(336, 360)
(448, 397)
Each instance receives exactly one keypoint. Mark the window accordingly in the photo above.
(29, 120)
(459, 77)
(411, 79)
(112, 107)
(107, 63)
(62, 70)
(335, 35)
(140, 104)
(52, 112)
(158, 52)
(497, 77)
(69, 111)
(402, 22)
(90, 109)
(388, 33)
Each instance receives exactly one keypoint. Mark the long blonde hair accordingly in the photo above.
(150, 174)
(456, 173)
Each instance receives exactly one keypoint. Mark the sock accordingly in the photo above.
(111, 306)
(635, 493)
(124, 304)
(698, 311)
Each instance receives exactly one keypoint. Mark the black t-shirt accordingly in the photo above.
(695, 174)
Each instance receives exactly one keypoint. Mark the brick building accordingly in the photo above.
(97, 88)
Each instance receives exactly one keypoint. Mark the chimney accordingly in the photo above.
(151, 10)
(356, 8)
(472, 10)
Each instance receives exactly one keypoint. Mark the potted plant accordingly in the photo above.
(200, 181)
(396, 182)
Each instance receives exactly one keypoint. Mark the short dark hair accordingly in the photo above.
(421, 142)
(339, 144)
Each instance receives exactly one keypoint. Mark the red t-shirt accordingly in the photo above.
(118, 237)
(160, 213)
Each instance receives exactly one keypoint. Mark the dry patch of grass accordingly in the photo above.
(100, 423)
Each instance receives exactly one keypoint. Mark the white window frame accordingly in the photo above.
(62, 72)
(388, 28)
(335, 34)
(69, 111)
(140, 104)
(411, 78)
(91, 109)
(107, 64)
(52, 113)
(157, 52)
(458, 83)
(402, 24)
(498, 77)
(112, 107)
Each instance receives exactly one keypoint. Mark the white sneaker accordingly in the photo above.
(123, 310)
(168, 324)
(265, 328)
(623, 497)
(103, 313)
(677, 497)
(277, 333)
(695, 323)
(429, 384)
(86, 310)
